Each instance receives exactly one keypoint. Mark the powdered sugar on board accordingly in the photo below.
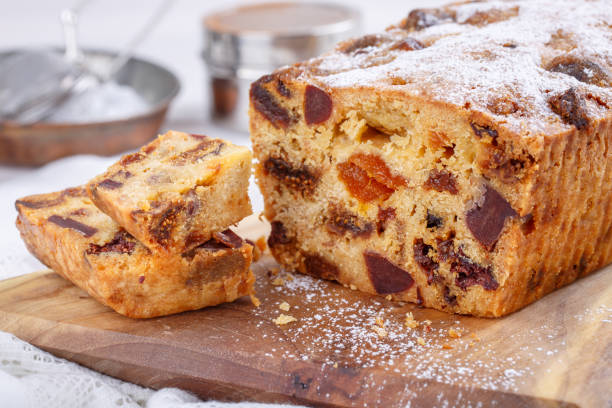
(336, 327)
(487, 51)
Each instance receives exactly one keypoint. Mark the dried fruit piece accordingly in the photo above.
(419, 19)
(278, 234)
(317, 266)
(470, 273)
(360, 185)
(378, 170)
(385, 276)
(441, 180)
(162, 231)
(408, 44)
(368, 178)
(583, 70)
(317, 105)
(282, 89)
(110, 184)
(482, 18)
(383, 217)
(122, 243)
(450, 299)
(264, 102)
(229, 238)
(433, 221)
(571, 108)
(484, 131)
(69, 223)
(486, 220)
(131, 158)
(299, 179)
(421, 253)
(357, 45)
(342, 221)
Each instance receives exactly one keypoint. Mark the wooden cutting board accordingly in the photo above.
(556, 352)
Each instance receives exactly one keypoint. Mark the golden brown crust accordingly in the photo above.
(69, 234)
(176, 191)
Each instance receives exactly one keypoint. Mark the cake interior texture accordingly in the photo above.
(66, 232)
(177, 191)
(459, 160)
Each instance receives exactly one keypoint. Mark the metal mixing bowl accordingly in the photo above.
(39, 143)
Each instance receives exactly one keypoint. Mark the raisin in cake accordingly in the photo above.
(176, 191)
(66, 232)
(459, 160)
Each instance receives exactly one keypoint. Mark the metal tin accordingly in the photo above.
(39, 143)
(244, 43)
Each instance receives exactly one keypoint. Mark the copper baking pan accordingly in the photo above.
(37, 144)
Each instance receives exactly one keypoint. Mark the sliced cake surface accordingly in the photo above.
(66, 232)
(460, 159)
(176, 191)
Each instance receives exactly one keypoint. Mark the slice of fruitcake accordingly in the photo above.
(459, 160)
(176, 191)
(66, 232)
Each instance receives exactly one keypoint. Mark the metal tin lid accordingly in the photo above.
(262, 37)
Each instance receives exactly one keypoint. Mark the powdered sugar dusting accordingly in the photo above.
(469, 63)
(337, 329)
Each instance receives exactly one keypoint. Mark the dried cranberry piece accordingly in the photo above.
(317, 105)
(278, 234)
(571, 108)
(421, 253)
(385, 276)
(486, 220)
(441, 180)
(69, 223)
(319, 267)
(264, 102)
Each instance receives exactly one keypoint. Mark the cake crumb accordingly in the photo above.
(284, 306)
(455, 334)
(380, 321)
(410, 322)
(447, 346)
(278, 282)
(256, 302)
(382, 333)
(289, 277)
(420, 341)
(475, 337)
(273, 271)
(335, 365)
(283, 319)
(353, 287)
(388, 297)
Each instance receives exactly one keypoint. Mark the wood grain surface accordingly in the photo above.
(344, 349)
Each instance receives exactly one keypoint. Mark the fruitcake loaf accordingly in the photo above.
(459, 160)
(176, 191)
(66, 232)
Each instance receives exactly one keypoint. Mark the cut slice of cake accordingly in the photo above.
(459, 160)
(176, 191)
(66, 232)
